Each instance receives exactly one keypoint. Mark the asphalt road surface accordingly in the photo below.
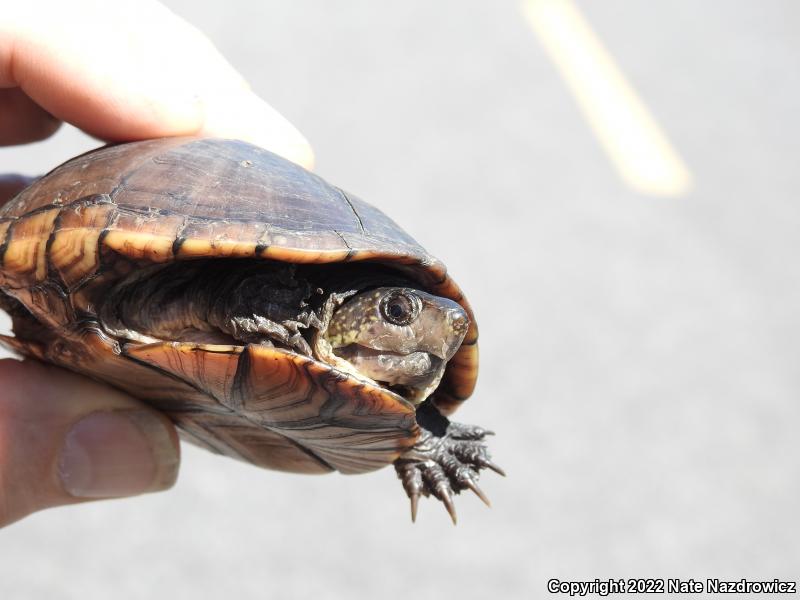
(639, 352)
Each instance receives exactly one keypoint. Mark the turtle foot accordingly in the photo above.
(447, 460)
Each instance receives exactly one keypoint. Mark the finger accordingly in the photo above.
(22, 120)
(132, 70)
(12, 184)
(248, 117)
(66, 439)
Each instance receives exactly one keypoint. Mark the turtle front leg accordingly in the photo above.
(447, 460)
(256, 328)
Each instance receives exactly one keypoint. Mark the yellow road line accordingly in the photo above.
(635, 143)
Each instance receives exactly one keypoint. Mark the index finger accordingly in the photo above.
(127, 71)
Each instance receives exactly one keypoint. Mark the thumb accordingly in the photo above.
(65, 439)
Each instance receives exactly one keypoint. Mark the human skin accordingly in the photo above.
(119, 71)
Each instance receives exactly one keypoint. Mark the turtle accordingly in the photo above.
(274, 317)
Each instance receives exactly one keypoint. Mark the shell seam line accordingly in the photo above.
(353, 208)
(5, 242)
(350, 251)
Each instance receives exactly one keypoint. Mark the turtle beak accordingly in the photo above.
(456, 325)
(441, 326)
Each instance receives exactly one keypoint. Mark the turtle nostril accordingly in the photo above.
(459, 320)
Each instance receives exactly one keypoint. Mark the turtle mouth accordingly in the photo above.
(414, 369)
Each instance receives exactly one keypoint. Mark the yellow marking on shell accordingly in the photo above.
(296, 255)
(74, 253)
(138, 245)
(26, 251)
(400, 258)
(21, 257)
(196, 248)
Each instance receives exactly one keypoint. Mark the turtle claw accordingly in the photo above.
(412, 482)
(478, 492)
(495, 468)
(447, 499)
(445, 465)
(414, 503)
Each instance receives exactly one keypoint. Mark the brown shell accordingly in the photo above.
(101, 214)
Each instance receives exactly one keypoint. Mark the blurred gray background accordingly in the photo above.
(639, 353)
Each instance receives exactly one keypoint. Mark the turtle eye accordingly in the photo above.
(400, 307)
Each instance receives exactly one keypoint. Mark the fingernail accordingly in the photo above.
(118, 453)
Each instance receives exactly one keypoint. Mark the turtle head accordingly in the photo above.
(399, 336)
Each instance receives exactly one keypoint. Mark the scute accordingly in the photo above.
(210, 181)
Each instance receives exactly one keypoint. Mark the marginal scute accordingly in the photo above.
(140, 246)
(73, 249)
(226, 239)
(25, 256)
(302, 256)
(144, 236)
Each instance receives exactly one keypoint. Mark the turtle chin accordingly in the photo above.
(410, 374)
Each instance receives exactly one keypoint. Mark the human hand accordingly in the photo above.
(119, 71)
